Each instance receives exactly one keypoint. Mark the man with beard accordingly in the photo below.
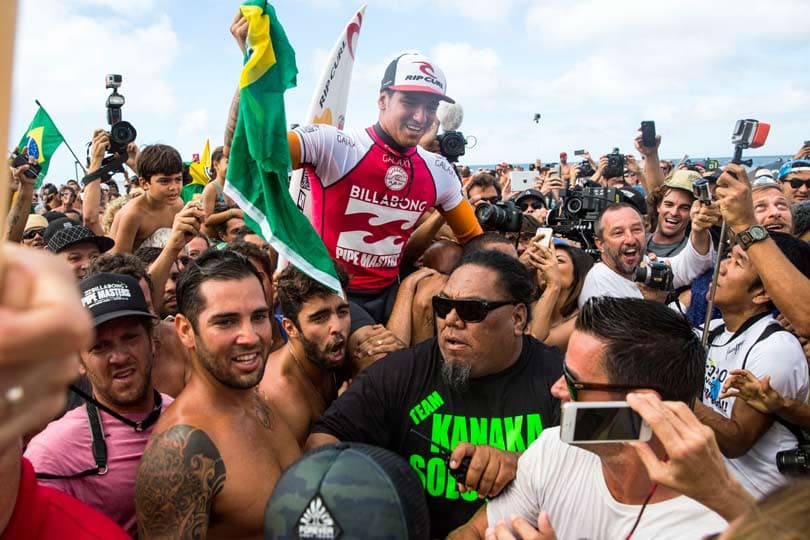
(620, 236)
(480, 389)
(125, 406)
(303, 378)
(216, 455)
(676, 199)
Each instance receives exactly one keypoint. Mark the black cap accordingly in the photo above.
(348, 490)
(65, 232)
(111, 296)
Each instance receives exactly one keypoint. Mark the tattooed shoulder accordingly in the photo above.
(179, 475)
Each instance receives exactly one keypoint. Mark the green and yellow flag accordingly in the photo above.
(259, 160)
(200, 172)
(40, 141)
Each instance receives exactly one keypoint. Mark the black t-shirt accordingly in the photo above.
(406, 390)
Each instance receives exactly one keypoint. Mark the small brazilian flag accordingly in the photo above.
(260, 155)
(40, 141)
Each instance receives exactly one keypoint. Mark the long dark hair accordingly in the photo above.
(582, 263)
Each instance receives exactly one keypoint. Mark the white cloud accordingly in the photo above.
(130, 8)
(195, 124)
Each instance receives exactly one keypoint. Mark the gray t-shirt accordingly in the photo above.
(666, 250)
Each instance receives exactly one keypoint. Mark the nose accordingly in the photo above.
(248, 336)
(560, 390)
(420, 113)
(452, 318)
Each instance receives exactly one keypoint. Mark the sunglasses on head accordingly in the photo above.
(795, 183)
(468, 310)
(30, 234)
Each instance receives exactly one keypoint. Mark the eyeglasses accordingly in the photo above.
(468, 310)
(575, 386)
(30, 234)
(795, 183)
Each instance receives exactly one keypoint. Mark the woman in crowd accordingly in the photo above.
(560, 270)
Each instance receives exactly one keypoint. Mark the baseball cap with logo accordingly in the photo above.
(414, 72)
(347, 490)
(65, 232)
(112, 296)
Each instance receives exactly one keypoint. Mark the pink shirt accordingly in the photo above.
(65, 447)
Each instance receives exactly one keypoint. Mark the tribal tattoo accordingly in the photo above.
(180, 474)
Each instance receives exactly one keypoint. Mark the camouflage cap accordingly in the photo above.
(347, 490)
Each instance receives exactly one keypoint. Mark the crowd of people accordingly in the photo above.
(470, 314)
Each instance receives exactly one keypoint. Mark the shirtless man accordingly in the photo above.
(302, 378)
(217, 454)
(147, 220)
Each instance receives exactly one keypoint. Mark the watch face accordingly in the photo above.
(758, 233)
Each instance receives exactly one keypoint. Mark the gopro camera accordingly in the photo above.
(750, 133)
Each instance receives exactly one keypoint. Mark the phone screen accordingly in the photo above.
(609, 424)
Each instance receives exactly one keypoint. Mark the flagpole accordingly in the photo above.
(64, 140)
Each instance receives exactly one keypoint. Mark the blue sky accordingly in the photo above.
(593, 69)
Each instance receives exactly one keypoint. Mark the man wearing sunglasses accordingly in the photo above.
(480, 389)
(599, 490)
(795, 178)
(34, 230)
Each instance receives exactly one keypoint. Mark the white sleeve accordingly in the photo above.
(781, 356)
(331, 152)
(448, 185)
(523, 496)
(689, 264)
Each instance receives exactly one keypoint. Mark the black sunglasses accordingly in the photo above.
(534, 204)
(468, 310)
(30, 234)
(795, 183)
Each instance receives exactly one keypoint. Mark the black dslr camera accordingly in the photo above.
(796, 461)
(452, 145)
(121, 132)
(503, 216)
(585, 169)
(656, 275)
(33, 168)
(615, 165)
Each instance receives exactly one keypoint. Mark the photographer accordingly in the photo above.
(621, 238)
(91, 203)
(751, 338)
(788, 287)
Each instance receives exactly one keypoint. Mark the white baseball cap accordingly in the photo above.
(414, 72)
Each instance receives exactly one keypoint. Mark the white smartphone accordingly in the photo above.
(602, 422)
(522, 180)
(548, 234)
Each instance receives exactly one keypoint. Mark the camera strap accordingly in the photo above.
(99, 444)
(114, 165)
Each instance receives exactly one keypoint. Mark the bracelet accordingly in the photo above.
(230, 213)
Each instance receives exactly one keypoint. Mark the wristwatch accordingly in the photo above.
(752, 234)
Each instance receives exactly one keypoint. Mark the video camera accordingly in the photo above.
(452, 145)
(656, 275)
(576, 216)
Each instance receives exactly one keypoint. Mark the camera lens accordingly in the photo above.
(791, 461)
(573, 205)
(640, 274)
(122, 133)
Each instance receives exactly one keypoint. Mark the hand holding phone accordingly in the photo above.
(547, 233)
(648, 134)
(602, 422)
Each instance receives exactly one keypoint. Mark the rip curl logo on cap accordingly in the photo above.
(426, 68)
(317, 522)
(396, 177)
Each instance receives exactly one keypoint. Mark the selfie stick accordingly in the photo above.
(739, 146)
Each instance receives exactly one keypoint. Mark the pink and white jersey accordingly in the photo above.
(367, 197)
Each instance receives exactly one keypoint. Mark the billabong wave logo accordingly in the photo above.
(317, 522)
(426, 68)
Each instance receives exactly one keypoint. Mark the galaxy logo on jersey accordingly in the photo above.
(396, 177)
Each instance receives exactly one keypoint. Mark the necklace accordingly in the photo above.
(309, 381)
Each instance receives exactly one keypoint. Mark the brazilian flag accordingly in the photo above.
(260, 156)
(40, 141)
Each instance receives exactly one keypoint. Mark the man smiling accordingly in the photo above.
(669, 237)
